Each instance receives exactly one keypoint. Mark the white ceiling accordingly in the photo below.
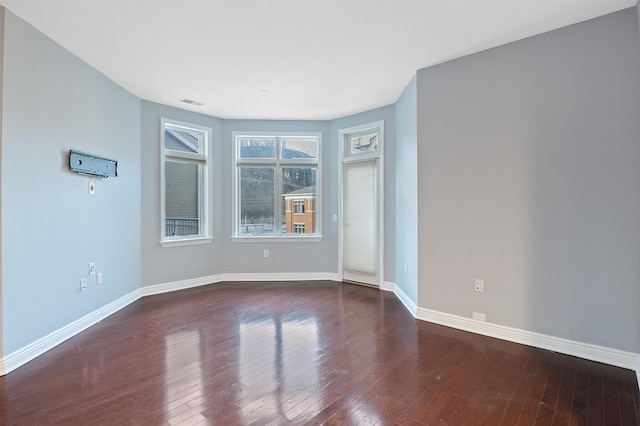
(287, 59)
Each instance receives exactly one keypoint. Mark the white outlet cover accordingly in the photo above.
(479, 285)
(479, 317)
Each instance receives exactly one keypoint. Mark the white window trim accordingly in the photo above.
(186, 242)
(206, 233)
(377, 126)
(298, 238)
(277, 163)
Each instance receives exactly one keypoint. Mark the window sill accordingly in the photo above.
(186, 242)
(279, 239)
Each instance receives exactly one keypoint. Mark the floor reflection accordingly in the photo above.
(183, 377)
(323, 353)
(277, 367)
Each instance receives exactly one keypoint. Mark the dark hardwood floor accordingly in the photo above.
(298, 353)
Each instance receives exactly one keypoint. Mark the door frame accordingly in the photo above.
(377, 126)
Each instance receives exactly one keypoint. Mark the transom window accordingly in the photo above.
(277, 176)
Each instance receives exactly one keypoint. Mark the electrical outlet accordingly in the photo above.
(92, 188)
(266, 253)
(83, 284)
(479, 285)
(479, 317)
(99, 278)
(92, 268)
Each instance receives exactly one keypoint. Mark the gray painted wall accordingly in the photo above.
(165, 265)
(406, 203)
(529, 178)
(52, 228)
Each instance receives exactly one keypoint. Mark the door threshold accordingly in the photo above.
(361, 284)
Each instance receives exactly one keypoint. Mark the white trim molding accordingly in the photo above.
(588, 351)
(195, 155)
(591, 352)
(402, 296)
(281, 239)
(376, 155)
(213, 279)
(387, 286)
(278, 162)
(186, 242)
(29, 352)
(25, 354)
(615, 357)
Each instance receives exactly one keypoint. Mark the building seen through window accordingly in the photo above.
(276, 185)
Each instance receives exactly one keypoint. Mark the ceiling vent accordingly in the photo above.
(191, 102)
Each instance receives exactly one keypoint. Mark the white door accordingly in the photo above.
(361, 204)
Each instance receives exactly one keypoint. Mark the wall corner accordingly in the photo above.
(2, 32)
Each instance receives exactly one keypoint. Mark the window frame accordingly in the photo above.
(202, 159)
(278, 164)
(298, 206)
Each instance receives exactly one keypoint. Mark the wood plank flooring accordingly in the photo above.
(304, 353)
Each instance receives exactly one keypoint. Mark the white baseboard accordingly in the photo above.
(618, 358)
(51, 340)
(387, 286)
(212, 279)
(402, 296)
(178, 285)
(597, 353)
(588, 351)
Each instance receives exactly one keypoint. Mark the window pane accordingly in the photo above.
(299, 148)
(299, 200)
(256, 201)
(183, 140)
(257, 148)
(181, 198)
(361, 144)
